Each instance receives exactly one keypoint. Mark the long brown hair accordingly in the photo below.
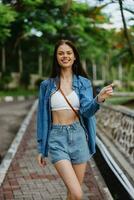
(76, 67)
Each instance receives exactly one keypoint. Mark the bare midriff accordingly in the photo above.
(64, 117)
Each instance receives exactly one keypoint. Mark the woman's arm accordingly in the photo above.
(39, 119)
(88, 104)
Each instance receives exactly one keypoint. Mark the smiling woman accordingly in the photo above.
(65, 120)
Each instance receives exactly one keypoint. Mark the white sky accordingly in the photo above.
(113, 11)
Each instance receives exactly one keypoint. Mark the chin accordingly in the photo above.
(66, 66)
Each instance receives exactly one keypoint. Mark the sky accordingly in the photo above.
(113, 12)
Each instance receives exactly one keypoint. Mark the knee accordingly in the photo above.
(77, 195)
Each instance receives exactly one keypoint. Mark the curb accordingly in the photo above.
(5, 164)
(16, 98)
(100, 181)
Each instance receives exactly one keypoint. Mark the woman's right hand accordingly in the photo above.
(41, 160)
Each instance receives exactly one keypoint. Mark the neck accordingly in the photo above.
(66, 74)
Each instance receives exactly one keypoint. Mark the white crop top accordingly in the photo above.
(58, 101)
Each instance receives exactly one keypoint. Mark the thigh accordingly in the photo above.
(80, 171)
(67, 173)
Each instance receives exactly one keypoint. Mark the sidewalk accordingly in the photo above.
(25, 180)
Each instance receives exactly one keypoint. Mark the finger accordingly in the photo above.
(40, 161)
(43, 162)
(109, 86)
(109, 90)
(110, 93)
(112, 85)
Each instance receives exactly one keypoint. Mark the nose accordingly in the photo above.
(64, 55)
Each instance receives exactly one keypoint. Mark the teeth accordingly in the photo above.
(65, 60)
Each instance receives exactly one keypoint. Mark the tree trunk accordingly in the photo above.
(103, 73)
(20, 61)
(94, 71)
(40, 65)
(67, 6)
(125, 29)
(3, 59)
(84, 65)
(120, 72)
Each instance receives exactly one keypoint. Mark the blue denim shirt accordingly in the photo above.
(88, 107)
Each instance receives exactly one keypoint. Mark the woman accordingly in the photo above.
(65, 118)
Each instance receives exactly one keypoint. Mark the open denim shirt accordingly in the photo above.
(88, 107)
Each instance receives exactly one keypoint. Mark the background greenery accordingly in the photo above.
(30, 29)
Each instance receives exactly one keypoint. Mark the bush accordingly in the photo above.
(5, 79)
(25, 79)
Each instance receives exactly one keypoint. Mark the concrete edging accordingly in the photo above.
(100, 181)
(15, 143)
(16, 98)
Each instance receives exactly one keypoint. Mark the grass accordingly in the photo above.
(18, 92)
(119, 100)
(24, 92)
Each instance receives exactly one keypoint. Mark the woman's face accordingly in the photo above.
(65, 56)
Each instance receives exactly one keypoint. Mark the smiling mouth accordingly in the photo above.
(65, 61)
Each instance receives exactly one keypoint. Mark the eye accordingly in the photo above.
(60, 53)
(69, 52)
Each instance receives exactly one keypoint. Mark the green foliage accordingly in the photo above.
(18, 92)
(36, 25)
(119, 100)
(32, 3)
(4, 80)
(8, 16)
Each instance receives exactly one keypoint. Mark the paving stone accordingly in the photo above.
(25, 180)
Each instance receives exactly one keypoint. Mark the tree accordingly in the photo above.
(125, 29)
(8, 17)
(126, 34)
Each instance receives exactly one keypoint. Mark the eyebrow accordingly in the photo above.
(63, 51)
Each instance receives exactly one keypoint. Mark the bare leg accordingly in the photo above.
(79, 171)
(68, 195)
(67, 173)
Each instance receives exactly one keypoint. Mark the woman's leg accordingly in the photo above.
(79, 171)
(67, 173)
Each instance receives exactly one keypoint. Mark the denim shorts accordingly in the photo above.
(68, 142)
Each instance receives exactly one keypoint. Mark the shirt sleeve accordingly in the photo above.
(88, 104)
(40, 113)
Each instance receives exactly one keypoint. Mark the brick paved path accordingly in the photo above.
(26, 180)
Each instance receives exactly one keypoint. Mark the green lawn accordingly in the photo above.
(119, 100)
(20, 92)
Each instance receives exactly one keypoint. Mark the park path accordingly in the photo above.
(11, 116)
(25, 180)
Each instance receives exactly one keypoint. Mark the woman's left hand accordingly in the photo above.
(105, 93)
